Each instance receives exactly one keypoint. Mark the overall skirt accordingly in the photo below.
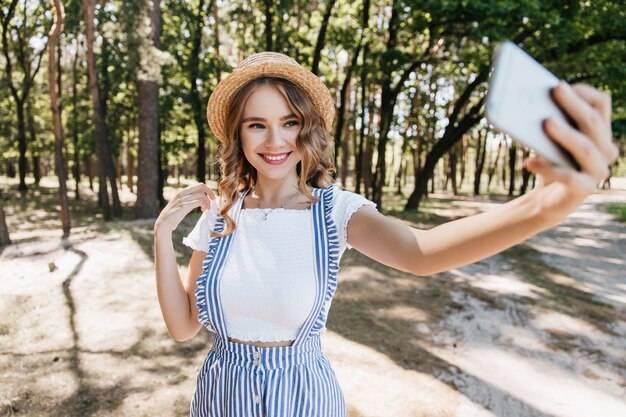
(241, 380)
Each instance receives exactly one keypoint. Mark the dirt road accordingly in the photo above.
(536, 331)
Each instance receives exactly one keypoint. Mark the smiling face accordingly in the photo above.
(268, 132)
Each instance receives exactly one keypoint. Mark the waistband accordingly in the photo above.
(260, 358)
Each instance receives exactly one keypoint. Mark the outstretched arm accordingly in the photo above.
(559, 192)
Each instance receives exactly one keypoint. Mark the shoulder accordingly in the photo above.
(343, 198)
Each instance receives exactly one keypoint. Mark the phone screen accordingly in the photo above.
(519, 101)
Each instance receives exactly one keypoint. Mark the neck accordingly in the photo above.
(274, 192)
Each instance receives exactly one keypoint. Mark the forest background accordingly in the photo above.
(118, 97)
(409, 79)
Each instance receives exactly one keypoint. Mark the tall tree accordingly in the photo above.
(321, 37)
(18, 40)
(54, 37)
(346, 82)
(102, 145)
(148, 158)
(269, 25)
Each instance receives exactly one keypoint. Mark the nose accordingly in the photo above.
(275, 138)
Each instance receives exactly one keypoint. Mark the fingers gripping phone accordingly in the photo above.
(518, 101)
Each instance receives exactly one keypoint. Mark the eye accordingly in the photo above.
(292, 121)
(253, 125)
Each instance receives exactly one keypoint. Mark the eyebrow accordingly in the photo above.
(261, 119)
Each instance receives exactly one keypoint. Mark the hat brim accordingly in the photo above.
(219, 102)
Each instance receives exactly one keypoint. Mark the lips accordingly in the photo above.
(275, 158)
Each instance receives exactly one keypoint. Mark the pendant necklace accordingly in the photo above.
(265, 213)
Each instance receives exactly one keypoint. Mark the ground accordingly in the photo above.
(538, 330)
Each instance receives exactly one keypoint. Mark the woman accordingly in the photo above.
(266, 253)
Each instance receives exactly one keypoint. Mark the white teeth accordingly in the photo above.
(275, 158)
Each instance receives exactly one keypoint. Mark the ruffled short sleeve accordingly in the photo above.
(345, 204)
(200, 237)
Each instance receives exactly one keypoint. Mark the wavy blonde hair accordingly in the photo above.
(313, 143)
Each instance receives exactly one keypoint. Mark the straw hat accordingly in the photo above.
(267, 64)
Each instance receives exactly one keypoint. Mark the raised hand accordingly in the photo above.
(196, 195)
(591, 145)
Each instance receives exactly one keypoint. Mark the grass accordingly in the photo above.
(618, 210)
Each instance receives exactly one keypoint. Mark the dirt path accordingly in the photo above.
(530, 356)
(87, 339)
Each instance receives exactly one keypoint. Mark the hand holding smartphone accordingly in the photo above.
(519, 100)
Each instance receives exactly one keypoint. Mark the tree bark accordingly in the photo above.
(481, 151)
(346, 82)
(405, 142)
(147, 160)
(345, 152)
(22, 96)
(343, 93)
(195, 101)
(358, 155)
(76, 167)
(5, 240)
(53, 36)
(525, 173)
(34, 150)
(269, 44)
(321, 38)
(512, 164)
(98, 115)
(494, 166)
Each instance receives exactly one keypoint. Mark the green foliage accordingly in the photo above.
(618, 210)
(449, 42)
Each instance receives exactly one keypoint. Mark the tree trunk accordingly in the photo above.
(525, 173)
(405, 143)
(370, 144)
(36, 168)
(54, 35)
(32, 139)
(494, 166)
(216, 43)
(195, 101)
(269, 44)
(76, 168)
(463, 159)
(343, 93)
(481, 151)
(163, 173)
(358, 161)
(147, 160)
(130, 167)
(5, 240)
(321, 38)
(27, 82)
(453, 160)
(512, 164)
(90, 163)
(345, 153)
(21, 146)
(98, 115)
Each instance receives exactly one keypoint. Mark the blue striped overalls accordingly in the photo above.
(240, 380)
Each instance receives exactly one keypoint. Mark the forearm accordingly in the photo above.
(473, 238)
(173, 298)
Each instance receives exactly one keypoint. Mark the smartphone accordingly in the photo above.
(518, 101)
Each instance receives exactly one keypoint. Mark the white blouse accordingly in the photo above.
(268, 283)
